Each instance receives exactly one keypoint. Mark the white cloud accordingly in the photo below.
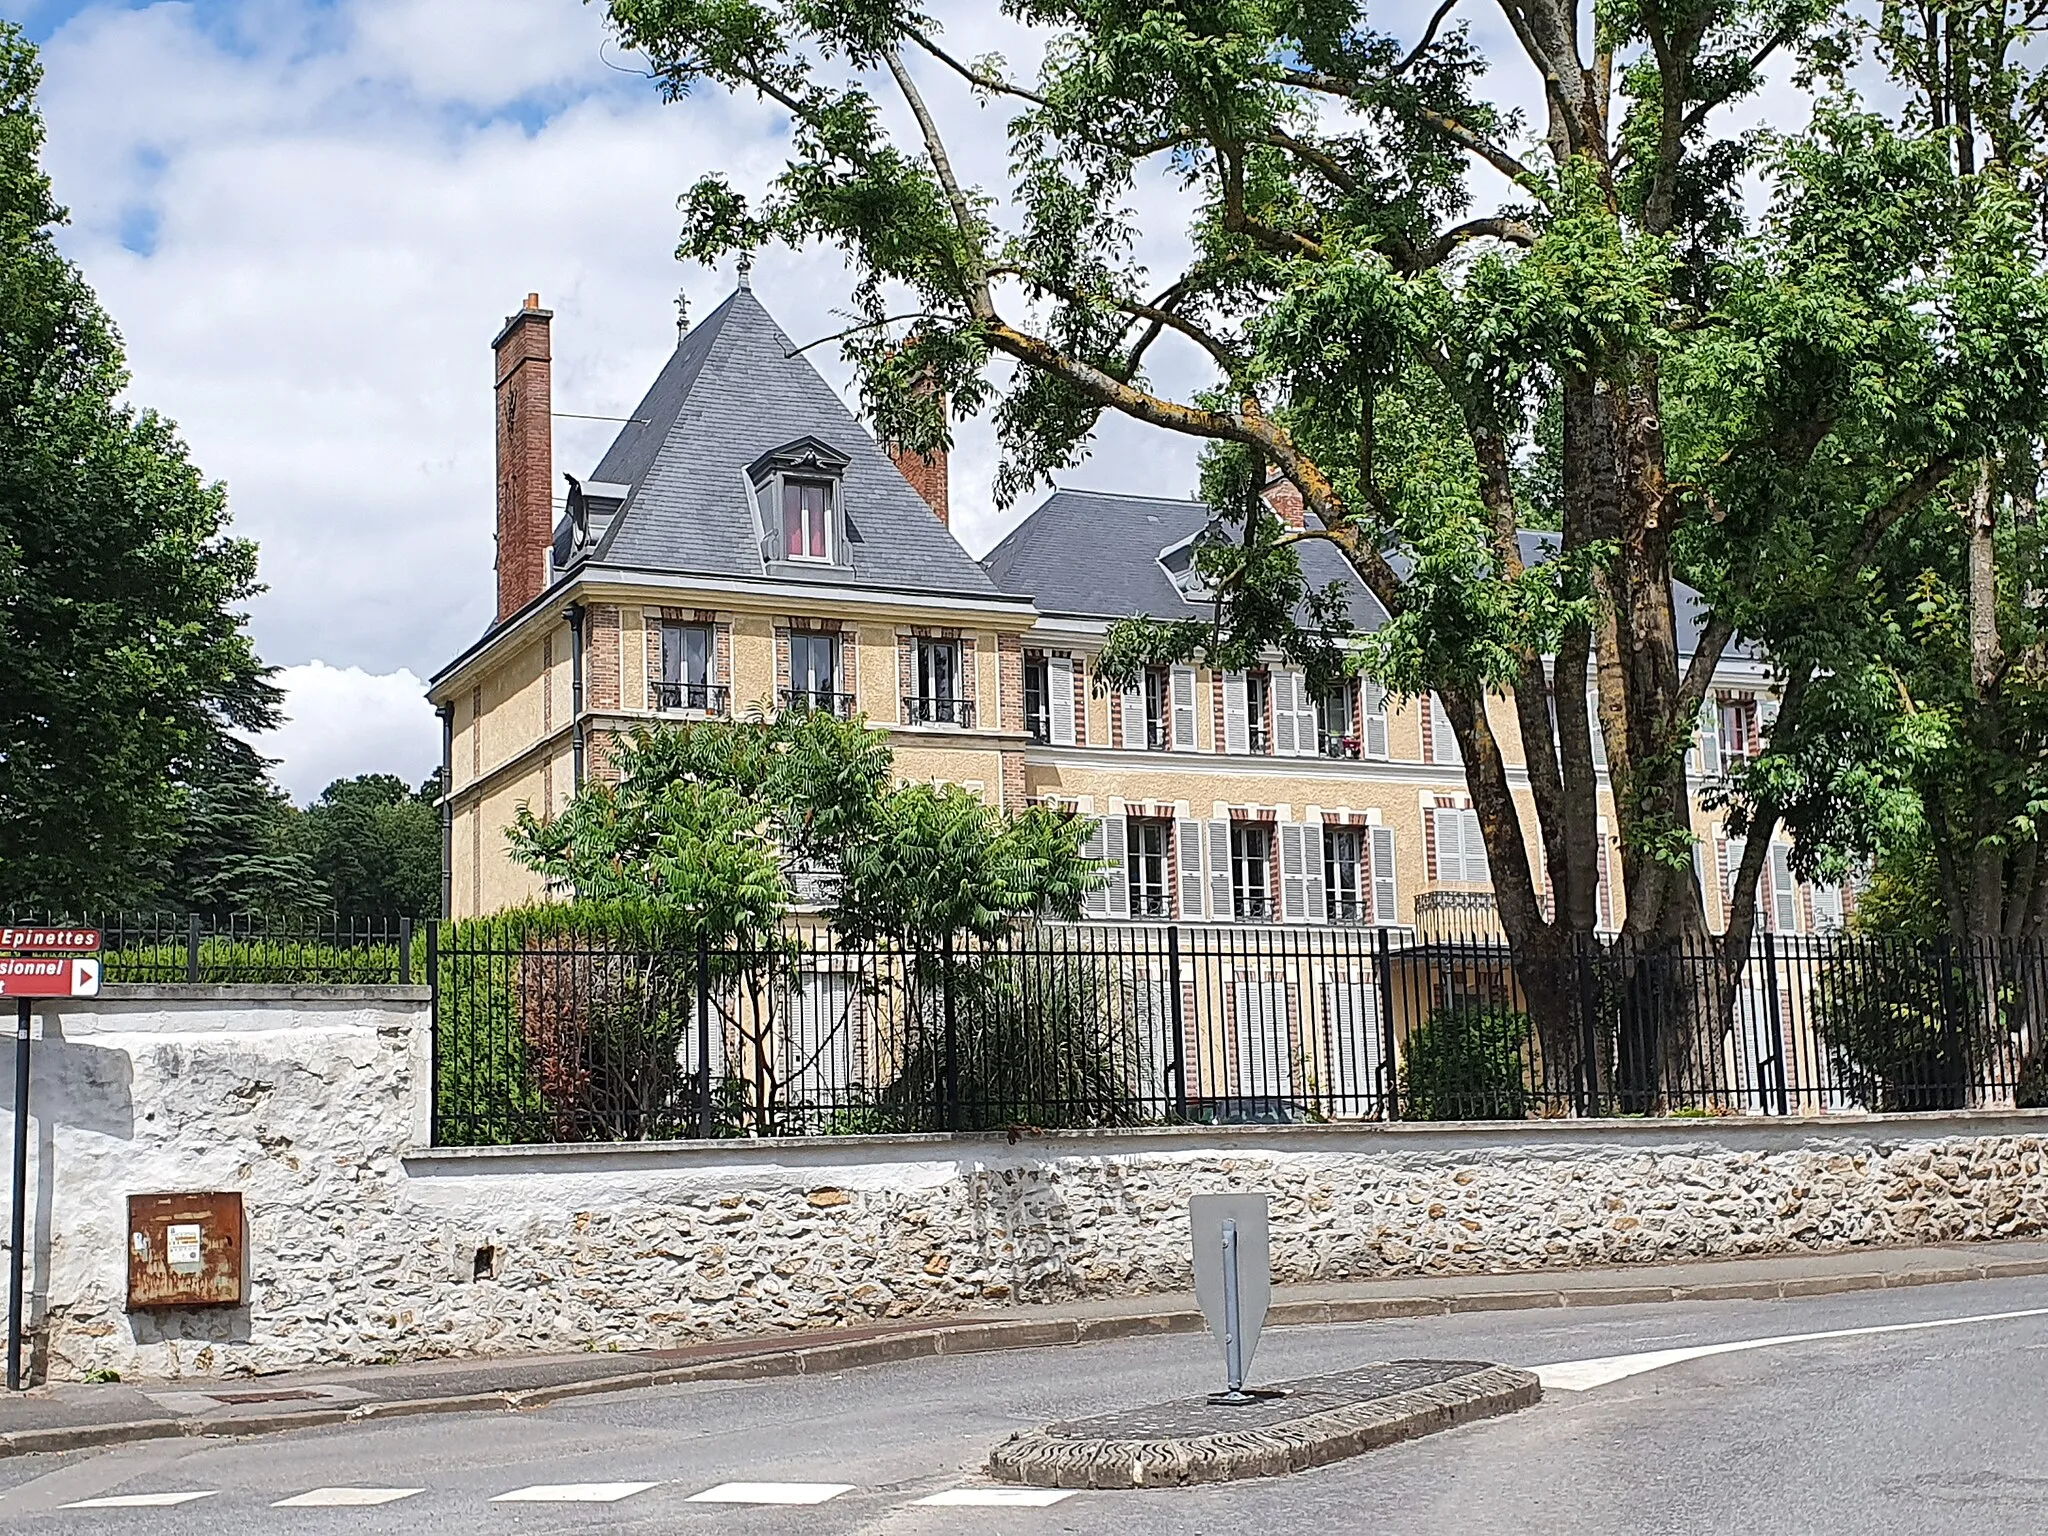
(343, 721)
(309, 217)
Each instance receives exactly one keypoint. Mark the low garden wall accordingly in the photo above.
(365, 1244)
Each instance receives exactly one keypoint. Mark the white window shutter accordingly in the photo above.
(1059, 683)
(1477, 870)
(1443, 740)
(1219, 871)
(1314, 895)
(1385, 898)
(1134, 718)
(1827, 908)
(1593, 721)
(1293, 899)
(1285, 685)
(1236, 715)
(1710, 740)
(1736, 848)
(1116, 854)
(1767, 716)
(1187, 853)
(1183, 709)
(1093, 846)
(1373, 727)
(1307, 736)
(1784, 892)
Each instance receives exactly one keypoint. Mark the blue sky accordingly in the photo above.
(309, 217)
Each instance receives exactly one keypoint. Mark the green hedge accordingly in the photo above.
(1468, 1064)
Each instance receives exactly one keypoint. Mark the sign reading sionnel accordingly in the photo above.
(49, 976)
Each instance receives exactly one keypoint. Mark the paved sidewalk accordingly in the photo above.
(68, 1416)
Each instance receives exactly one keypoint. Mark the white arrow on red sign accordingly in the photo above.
(49, 976)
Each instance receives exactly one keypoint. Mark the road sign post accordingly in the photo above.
(68, 966)
(1233, 1280)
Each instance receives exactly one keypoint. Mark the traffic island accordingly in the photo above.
(1287, 1428)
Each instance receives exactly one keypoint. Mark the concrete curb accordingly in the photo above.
(962, 1338)
(1041, 1459)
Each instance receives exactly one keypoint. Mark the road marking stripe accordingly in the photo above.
(345, 1498)
(572, 1493)
(770, 1493)
(1584, 1375)
(142, 1500)
(1011, 1498)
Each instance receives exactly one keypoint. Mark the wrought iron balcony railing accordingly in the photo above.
(921, 711)
(822, 701)
(1457, 915)
(706, 698)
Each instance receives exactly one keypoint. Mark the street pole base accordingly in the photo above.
(1237, 1397)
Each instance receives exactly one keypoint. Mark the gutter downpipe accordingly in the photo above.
(447, 714)
(574, 614)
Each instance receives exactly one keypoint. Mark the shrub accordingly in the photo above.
(1468, 1064)
(1898, 1036)
(1047, 1041)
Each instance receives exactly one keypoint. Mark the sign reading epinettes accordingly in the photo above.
(63, 941)
(49, 976)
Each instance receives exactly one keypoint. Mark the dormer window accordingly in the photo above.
(797, 498)
(806, 519)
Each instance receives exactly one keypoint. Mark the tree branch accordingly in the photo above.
(1442, 122)
(942, 166)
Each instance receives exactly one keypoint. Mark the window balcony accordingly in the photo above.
(1252, 907)
(1258, 739)
(1347, 909)
(698, 698)
(1341, 747)
(1450, 916)
(820, 700)
(1155, 736)
(918, 711)
(1151, 904)
(1040, 727)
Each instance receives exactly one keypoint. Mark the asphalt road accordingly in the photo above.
(1920, 1431)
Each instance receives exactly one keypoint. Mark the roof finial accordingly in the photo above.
(746, 271)
(682, 314)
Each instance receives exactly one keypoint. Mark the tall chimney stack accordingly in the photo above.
(1284, 497)
(926, 472)
(526, 455)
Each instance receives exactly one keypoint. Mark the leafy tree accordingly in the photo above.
(238, 850)
(375, 845)
(122, 655)
(1755, 403)
(1928, 746)
(704, 818)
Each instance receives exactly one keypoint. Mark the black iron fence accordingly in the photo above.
(248, 950)
(581, 1037)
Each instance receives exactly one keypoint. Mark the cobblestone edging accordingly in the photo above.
(1047, 1458)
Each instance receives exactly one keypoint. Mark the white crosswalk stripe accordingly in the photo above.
(572, 1493)
(142, 1500)
(345, 1498)
(998, 1498)
(770, 1493)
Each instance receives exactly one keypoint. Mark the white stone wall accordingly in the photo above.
(366, 1245)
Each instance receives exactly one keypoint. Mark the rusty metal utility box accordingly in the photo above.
(184, 1251)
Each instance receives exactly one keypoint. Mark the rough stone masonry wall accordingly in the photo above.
(365, 1245)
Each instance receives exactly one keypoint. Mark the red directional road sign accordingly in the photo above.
(49, 976)
(63, 941)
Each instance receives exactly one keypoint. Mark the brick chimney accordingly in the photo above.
(1284, 497)
(926, 472)
(526, 455)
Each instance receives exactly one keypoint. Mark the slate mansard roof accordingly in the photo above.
(732, 392)
(1091, 554)
(1094, 555)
